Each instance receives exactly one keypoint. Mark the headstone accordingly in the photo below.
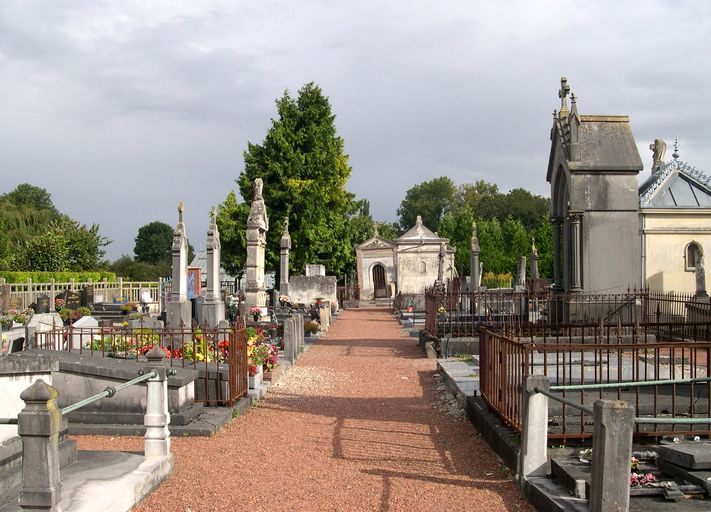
(257, 227)
(42, 304)
(290, 340)
(315, 270)
(178, 310)
(213, 306)
(87, 296)
(45, 323)
(285, 245)
(72, 300)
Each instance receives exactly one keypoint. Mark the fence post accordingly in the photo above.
(612, 450)
(157, 417)
(533, 457)
(38, 425)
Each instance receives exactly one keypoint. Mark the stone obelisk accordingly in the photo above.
(213, 306)
(257, 227)
(178, 310)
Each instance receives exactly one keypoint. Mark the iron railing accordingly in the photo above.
(218, 354)
(591, 362)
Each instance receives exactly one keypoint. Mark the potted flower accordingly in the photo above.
(284, 300)
(256, 313)
(409, 304)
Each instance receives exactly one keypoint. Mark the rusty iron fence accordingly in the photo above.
(218, 354)
(598, 354)
(462, 314)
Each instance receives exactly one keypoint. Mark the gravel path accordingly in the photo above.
(358, 424)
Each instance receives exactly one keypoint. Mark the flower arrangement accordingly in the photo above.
(256, 313)
(284, 299)
(642, 479)
(260, 353)
(441, 310)
(21, 317)
(59, 304)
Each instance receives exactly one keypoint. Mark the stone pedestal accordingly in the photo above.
(157, 418)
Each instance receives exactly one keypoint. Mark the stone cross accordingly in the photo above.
(440, 266)
(534, 260)
(285, 246)
(213, 308)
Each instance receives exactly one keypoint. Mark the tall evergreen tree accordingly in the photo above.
(305, 171)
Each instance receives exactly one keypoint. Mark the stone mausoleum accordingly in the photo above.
(407, 265)
(592, 169)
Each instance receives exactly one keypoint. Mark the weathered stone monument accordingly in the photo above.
(534, 260)
(592, 170)
(213, 306)
(700, 274)
(257, 227)
(315, 269)
(178, 310)
(520, 282)
(474, 261)
(285, 246)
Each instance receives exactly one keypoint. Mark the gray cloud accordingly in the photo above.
(121, 109)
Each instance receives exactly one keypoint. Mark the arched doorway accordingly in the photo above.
(379, 288)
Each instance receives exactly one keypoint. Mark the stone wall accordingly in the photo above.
(17, 373)
(306, 289)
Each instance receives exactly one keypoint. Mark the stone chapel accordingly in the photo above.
(407, 265)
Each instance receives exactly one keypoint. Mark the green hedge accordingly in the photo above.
(59, 277)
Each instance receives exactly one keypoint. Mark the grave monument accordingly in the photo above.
(213, 306)
(285, 246)
(474, 261)
(257, 227)
(178, 310)
(592, 169)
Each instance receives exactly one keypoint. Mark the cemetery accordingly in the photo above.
(593, 387)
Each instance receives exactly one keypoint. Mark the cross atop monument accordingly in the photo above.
(213, 215)
(181, 209)
(562, 93)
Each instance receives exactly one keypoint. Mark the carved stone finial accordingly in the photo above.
(533, 246)
(286, 226)
(376, 229)
(562, 93)
(181, 209)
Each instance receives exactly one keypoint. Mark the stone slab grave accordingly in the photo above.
(690, 461)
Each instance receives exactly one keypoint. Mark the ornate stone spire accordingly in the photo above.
(675, 154)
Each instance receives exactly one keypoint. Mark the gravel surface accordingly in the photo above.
(360, 423)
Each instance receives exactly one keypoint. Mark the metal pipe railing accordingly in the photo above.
(109, 392)
(627, 384)
(575, 405)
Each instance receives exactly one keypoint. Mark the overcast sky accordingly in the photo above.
(121, 109)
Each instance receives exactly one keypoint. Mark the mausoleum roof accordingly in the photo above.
(676, 184)
(420, 232)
